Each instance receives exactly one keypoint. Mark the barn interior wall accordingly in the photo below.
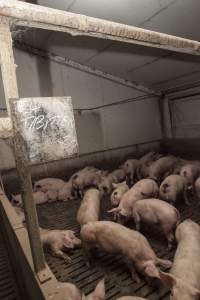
(115, 130)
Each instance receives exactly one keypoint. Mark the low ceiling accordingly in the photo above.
(158, 69)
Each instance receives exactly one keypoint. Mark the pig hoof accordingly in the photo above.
(68, 260)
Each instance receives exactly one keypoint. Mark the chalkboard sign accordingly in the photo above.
(47, 126)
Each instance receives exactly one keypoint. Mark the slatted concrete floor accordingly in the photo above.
(62, 215)
(8, 288)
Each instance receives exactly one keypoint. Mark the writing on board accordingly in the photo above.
(48, 127)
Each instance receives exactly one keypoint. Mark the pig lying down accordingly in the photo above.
(39, 198)
(133, 246)
(157, 212)
(174, 187)
(184, 277)
(66, 192)
(46, 184)
(89, 209)
(59, 241)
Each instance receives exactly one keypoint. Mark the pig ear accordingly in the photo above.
(114, 185)
(116, 209)
(152, 271)
(83, 297)
(99, 292)
(168, 279)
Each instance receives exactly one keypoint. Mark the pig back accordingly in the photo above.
(186, 264)
(90, 207)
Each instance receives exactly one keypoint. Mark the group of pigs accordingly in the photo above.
(144, 190)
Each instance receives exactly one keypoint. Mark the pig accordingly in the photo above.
(120, 240)
(131, 298)
(99, 292)
(39, 198)
(59, 241)
(130, 169)
(90, 207)
(197, 187)
(172, 188)
(87, 177)
(119, 190)
(145, 188)
(66, 192)
(115, 176)
(159, 213)
(162, 167)
(184, 277)
(190, 172)
(69, 291)
(48, 183)
(144, 163)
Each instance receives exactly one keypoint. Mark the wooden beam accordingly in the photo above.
(5, 128)
(8, 67)
(84, 68)
(11, 91)
(31, 15)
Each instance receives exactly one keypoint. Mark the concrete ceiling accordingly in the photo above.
(152, 67)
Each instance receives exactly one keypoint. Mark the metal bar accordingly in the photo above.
(11, 91)
(31, 15)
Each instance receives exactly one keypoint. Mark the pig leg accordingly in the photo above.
(170, 239)
(137, 221)
(185, 197)
(164, 263)
(134, 274)
(58, 253)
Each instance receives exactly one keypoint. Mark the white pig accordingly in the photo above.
(190, 172)
(59, 241)
(143, 189)
(90, 207)
(48, 183)
(184, 277)
(69, 291)
(99, 292)
(197, 187)
(144, 162)
(130, 168)
(87, 177)
(119, 190)
(162, 167)
(120, 240)
(39, 198)
(172, 188)
(66, 192)
(157, 212)
(115, 176)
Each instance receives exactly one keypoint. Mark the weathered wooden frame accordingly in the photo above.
(25, 14)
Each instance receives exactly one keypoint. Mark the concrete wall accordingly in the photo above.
(186, 117)
(111, 127)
